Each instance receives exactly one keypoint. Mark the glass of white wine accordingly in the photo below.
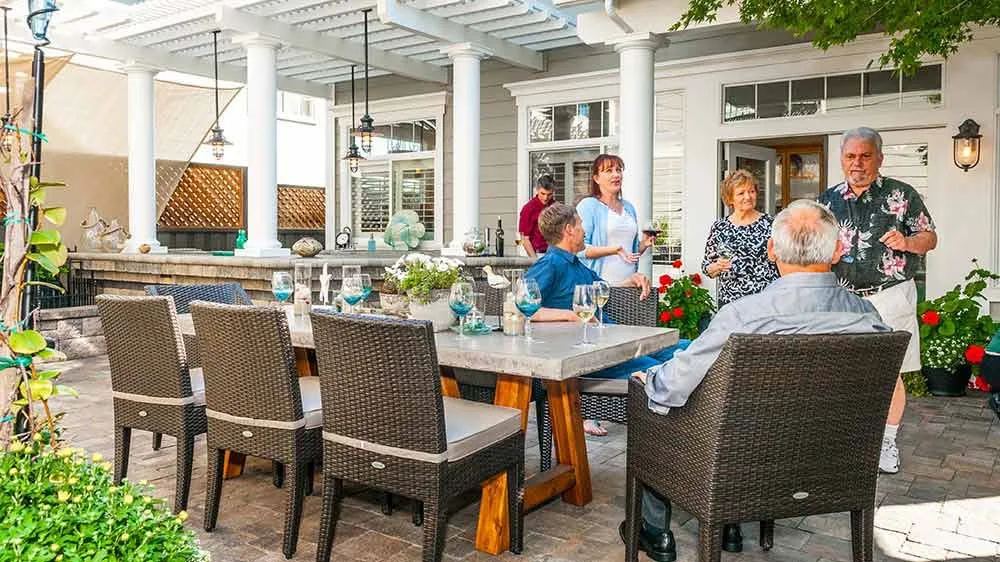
(584, 305)
(602, 292)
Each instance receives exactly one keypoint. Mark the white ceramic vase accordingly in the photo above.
(436, 310)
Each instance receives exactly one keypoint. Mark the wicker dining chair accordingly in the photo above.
(151, 386)
(776, 429)
(387, 425)
(184, 295)
(256, 403)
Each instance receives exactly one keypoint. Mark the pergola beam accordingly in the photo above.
(329, 45)
(118, 51)
(428, 25)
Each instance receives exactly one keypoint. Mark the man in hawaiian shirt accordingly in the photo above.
(884, 228)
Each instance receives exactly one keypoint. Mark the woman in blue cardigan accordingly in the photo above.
(611, 227)
(611, 234)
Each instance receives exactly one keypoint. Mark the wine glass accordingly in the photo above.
(352, 291)
(366, 285)
(602, 292)
(528, 298)
(461, 300)
(727, 253)
(584, 305)
(281, 285)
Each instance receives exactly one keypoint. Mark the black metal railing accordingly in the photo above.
(81, 289)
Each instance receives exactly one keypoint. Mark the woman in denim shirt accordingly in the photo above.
(610, 224)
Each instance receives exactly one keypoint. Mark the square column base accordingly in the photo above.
(263, 252)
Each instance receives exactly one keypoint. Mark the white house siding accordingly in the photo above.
(964, 205)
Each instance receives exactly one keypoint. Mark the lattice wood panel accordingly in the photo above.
(206, 197)
(301, 207)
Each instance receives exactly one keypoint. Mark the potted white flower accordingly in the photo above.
(426, 282)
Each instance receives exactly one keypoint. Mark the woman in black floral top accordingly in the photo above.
(736, 251)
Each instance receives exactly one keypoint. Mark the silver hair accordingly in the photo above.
(865, 134)
(805, 233)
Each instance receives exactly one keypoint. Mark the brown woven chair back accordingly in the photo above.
(184, 295)
(781, 414)
(379, 381)
(494, 298)
(145, 348)
(624, 307)
(248, 361)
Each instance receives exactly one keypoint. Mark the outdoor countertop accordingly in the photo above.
(356, 257)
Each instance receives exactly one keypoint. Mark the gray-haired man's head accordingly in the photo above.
(860, 157)
(805, 236)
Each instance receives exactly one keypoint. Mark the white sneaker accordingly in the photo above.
(888, 462)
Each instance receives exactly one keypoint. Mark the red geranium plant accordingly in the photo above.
(684, 304)
(953, 329)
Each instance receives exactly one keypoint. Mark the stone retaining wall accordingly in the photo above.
(76, 331)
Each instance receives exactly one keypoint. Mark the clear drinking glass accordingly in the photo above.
(352, 291)
(528, 298)
(281, 285)
(602, 292)
(302, 300)
(584, 305)
(461, 300)
(727, 253)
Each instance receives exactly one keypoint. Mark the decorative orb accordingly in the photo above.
(307, 247)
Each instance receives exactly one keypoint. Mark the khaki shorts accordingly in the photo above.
(897, 306)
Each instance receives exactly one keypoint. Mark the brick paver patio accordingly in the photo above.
(944, 504)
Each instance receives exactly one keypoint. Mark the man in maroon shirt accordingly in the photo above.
(531, 238)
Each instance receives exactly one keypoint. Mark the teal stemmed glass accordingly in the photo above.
(366, 285)
(281, 285)
(352, 291)
(461, 300)
(528, 298)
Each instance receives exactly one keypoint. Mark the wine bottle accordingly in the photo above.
(499, 238)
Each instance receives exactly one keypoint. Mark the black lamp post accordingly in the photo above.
(39, 15)
(353, 156)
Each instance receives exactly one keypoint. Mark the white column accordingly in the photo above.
(465, 59)
(262, 149)
(635, 125)
(332, 160)
(141, 161)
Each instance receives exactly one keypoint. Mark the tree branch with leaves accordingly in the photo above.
(917, 28)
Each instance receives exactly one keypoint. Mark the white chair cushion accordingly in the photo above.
(198, 386)
(312, 408)
(473, 426)
(604, 386)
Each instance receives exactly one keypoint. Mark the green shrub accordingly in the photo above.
(915, 383)
(56, 506)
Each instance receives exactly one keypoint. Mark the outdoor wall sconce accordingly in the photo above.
(967, 145)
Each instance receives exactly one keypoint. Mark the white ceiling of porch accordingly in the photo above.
(320, 39)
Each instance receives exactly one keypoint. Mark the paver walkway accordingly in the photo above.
(944, 504)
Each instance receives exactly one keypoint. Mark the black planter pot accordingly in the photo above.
(947, 382)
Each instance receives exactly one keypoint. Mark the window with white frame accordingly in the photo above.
(397, 175)
(668, 174)
(296, 107)
(564, 140)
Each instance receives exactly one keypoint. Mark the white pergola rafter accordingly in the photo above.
(429, 25)
(115, 50)
(333, 47)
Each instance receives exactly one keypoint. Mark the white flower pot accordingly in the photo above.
(393, 304)
(437, 310)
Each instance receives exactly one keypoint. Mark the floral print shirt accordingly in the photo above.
(746, 245)
(866, 263)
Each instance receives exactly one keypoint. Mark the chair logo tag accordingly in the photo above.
(378, 465)
(800, 495)
(142, 413)
(247, 434)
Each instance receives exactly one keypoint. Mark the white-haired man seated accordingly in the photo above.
(806, 299)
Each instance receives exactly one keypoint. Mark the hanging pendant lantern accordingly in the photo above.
(353, 156)
(367, 128)
(217, 141)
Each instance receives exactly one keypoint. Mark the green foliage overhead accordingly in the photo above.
(917, 28)
(55, 505)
